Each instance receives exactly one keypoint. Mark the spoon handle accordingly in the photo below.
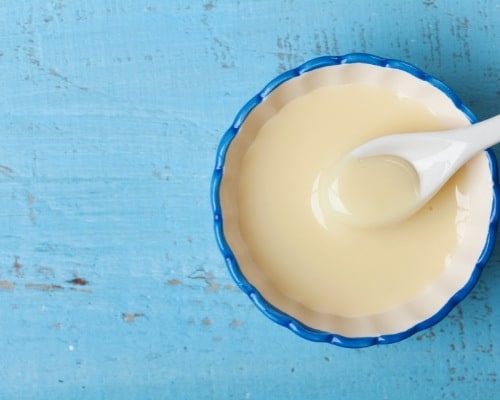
(478, 136)
(470, 140)
(467, 141)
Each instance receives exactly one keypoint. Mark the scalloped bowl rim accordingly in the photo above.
(289, 321)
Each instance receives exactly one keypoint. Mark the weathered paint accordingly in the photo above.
(111, 285)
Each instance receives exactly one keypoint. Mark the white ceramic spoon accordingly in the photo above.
(435, 156)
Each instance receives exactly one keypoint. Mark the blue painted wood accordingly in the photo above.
(111, 285)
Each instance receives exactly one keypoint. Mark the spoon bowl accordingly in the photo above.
(434, 157)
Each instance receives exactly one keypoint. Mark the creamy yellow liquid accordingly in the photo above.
(372, 191)
(299, 244)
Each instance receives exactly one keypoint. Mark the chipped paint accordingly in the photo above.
(131, 317)
(208, 6)
(44, 287)
(429, 3)
(6, 171)
(7, 285)
(78, 281)
(210, 285)
(236, 323)
(17, 266)
(231, 287)
(287, 53)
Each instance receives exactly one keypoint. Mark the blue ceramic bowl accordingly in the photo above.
(402, 321)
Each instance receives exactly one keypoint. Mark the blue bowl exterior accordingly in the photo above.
(262, 304)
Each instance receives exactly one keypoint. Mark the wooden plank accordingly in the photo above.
(111, 285)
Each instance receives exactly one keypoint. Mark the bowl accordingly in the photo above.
(305, 271)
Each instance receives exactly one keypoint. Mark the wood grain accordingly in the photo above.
(111, 285)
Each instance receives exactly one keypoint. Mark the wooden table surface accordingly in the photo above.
(111, 284)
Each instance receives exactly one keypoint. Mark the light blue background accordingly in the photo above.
(110, 115)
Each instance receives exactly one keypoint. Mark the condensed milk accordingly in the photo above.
(292, 226)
